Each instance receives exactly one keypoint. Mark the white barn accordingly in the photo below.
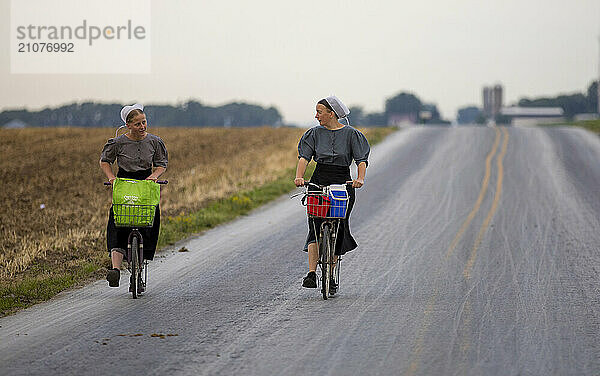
(529, 116)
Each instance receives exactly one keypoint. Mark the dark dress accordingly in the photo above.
(334, 150)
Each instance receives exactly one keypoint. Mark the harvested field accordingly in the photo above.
(54, 203)
(54, 206)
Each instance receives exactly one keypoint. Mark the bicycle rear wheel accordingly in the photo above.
(135, 269)
(326, 261)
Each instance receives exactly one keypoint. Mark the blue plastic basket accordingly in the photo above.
(339, 202)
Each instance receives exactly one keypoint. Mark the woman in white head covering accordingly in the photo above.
(333, 146)
(140, 155)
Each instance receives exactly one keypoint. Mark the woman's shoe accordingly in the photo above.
(113, 276)
(310, 281)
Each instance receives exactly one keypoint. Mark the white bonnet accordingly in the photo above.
(338, 106)
(127, 109)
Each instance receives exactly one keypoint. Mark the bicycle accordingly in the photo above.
(328, 203)
(135, 217)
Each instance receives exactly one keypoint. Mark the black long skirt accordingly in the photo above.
(326, 175)
(116, 237)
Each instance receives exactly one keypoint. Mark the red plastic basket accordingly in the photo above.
(317, 205)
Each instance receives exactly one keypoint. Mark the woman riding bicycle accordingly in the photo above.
(333, 146)
(136, 152)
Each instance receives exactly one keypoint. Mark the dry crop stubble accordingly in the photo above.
(55, 207)
(216, 164)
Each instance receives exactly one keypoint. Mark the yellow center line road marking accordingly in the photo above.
(490, 215)
(467, 272)
(426, 322)
(482, 192)
(414, 364)
(466, 344)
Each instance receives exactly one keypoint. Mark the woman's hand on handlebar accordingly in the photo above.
(299, 182)
(356, 183)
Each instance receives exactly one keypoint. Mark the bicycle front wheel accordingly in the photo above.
(326, 260)
(135, 269)
(336, 275)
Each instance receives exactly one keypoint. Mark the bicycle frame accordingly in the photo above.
(330, 266)
(326, 240)
(333, 225)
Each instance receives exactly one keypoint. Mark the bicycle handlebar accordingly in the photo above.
(158, 182)
(307, 184)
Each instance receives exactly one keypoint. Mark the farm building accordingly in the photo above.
(528, 116)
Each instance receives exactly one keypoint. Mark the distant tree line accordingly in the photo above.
(190, 114)
(403, 107)
(573, 104)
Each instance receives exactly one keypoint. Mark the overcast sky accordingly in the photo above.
(290, 54)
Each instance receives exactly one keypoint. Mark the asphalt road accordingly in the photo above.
(478, 255)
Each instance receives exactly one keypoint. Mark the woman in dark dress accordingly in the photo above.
(136, 153)
(333, 146)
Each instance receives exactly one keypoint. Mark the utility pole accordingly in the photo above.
(598, 85)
